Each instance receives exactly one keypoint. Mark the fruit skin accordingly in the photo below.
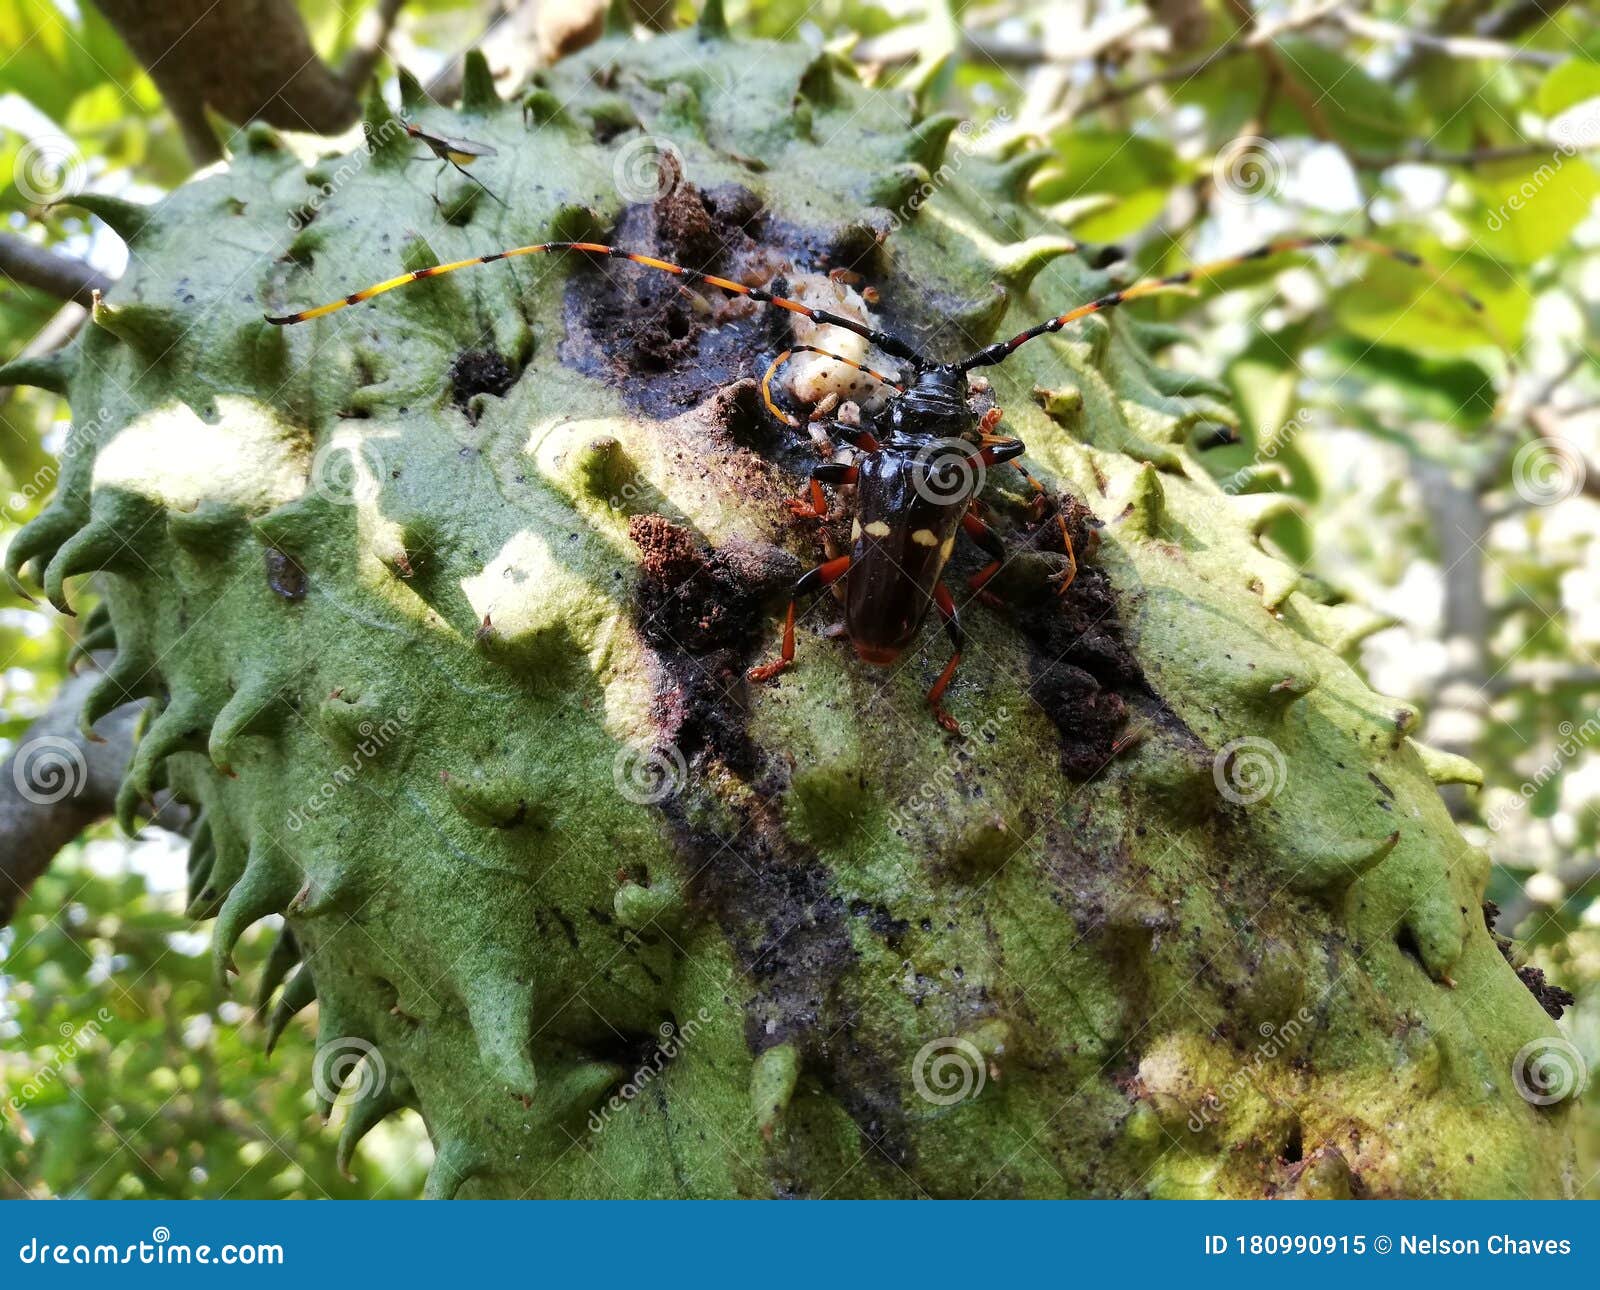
(426, 654)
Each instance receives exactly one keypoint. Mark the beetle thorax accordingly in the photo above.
(935, 407)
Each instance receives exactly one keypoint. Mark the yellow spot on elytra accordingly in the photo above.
(878, 529)
(925, 537)
(855, 530)
(948, 546)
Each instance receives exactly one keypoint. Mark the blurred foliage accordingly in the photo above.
(1361, 387)
(122, 1077)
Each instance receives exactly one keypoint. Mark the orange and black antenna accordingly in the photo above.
(889, 344)
(1002, 350)
(788, 418)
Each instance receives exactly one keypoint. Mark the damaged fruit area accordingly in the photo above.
(447, 609)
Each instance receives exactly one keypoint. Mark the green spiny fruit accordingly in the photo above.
(446, 603)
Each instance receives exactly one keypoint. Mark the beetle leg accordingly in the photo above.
(824, 575)
(989, 541)
(1004, 452)
(855, 436)
(816, 506)
(952, 625)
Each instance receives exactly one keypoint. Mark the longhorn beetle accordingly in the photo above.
(918, 469)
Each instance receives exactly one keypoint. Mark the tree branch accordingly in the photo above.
(1243, 43)
(30, 265)
(1424, 156)
(1124, 29)
(1519, 18)
(370, 44)
(247, 60)
(1278, 73)
(1443, 43)
(1546, 674)
(1460, 530)
(55, 785)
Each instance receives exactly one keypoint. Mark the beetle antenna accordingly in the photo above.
(789, 418)
(1002, 350)
(891, 345)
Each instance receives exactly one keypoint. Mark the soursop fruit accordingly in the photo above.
(445, 602)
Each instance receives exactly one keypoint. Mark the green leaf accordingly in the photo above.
(1361, 111)
(1136, 169)
(1407, 309)
(1455, 390)
(1575, 81)
(1265, 378)
(51, 58)
(1528, 209)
